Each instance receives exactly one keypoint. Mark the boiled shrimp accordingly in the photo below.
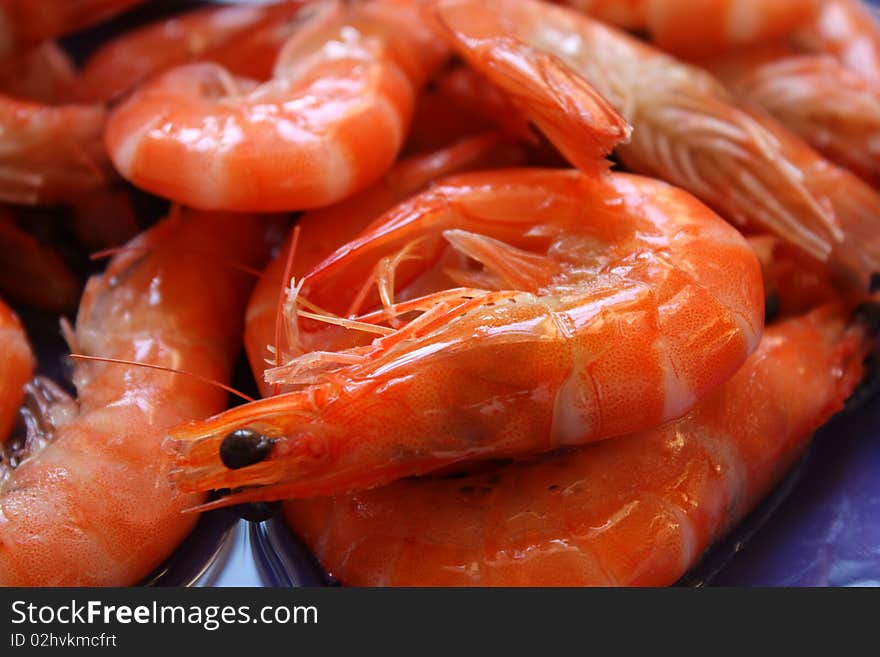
(687, 128)
(328, 124)
(52, 151)
(77, 174)
(699, 27)
(794, 283)
(89, 502)
(322, 231)
(836, 111)
(460, 104)
(848, 30)
(244, 39)
(24, 23)
(43, 74)
(50, 154)
(16, 369)
(32, 273)
(586, 306)
(103, 219)
(639, 510)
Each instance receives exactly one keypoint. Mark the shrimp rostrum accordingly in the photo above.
(516, 311)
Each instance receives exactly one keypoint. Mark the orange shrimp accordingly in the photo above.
(103, 219)
(91, 503)
(692, 28)
(16, 369)
(323, 230)
(24, 23)
(51, 154)
(32, 273)
(245, 39)
(52, 149)
(687, 127)
(459, 104)
(102, 216)
(42, 74)
(848, 30)
(836, 111)
(793, 283)
(589, 306)
(328, 124)
(639, 510)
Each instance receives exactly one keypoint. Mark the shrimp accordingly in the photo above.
(16, 369)
(836, 111)
(52, 150)
(459, 104)
(687, 128)
(90, 504)
(24, 23)
(43, 74)
(849, 31)
(587, 306)
(328, 124)
(245, 39)
(793, 283)
(101, 215)
(103, 219)
(51, 154)
(32, 273)
(323, 230)
(639, 510)
(691, 28)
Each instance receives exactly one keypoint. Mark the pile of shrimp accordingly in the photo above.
(535, 293)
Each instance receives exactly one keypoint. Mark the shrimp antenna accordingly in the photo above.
(348, 323)
(109, 253)
(163, 368)
(279, 311)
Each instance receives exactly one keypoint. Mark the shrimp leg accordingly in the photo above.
(325, 229)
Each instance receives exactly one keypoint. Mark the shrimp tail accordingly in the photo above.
(734, 162)
(519, 69)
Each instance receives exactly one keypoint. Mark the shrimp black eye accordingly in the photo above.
(244, 447)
